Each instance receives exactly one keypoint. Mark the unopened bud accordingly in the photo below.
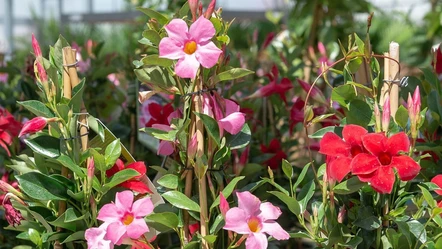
(34, 125)
(210, 9)
(223, 204)
(193, 6)
(192, 147)
(341, 214)
(386, 114)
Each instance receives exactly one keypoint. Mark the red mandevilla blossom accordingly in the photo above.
(134, 184)
(273, 87)
(376, 167)
(9, 128)
(342, 151)
(437, 62)
(274, 148)
(438, 181)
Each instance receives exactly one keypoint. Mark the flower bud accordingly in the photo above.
(223, 204)
(36, 47)
(341, 214)
(193, 6)
(192, 147)
(386, 114)
(34, 125)
(315, 93)
(210, 9)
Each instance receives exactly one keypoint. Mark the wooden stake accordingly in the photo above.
(386, 84)
(394, 75)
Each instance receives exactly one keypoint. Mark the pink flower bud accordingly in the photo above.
(223, 204)
(210, 9)
(34, 125)
(41, 72)
(193, 6)
(90, 170)
(36, 47)
(341, 214)
(192, 147)
(315, 93)
(416, 101)
(386, 114)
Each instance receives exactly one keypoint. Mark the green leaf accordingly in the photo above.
(366, 219)
(44, 145)
(343, 94)
(154, 60)
(428, 197)
(181, 201)
(42, 187)
(112, 153)
(349, 186)
(96, 126)
(169, 181)
(157, 78)
(210, 238)
(152, 36)
(211, 126)
(287, 168)
(359, 113)
(61, 220)
(291, 203)
(74, 237)
(231, 74)
(120, 177)
(239, 140)
(321, 132)
(34, 236)
(167, 219)
(37, 108)
(301, 176)
(401, 116)
(154, 14)
(418, 230)
(68, 163)
(77, 97)
(99, 160)
(306, 194)
(227, 191)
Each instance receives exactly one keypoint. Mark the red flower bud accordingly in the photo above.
(12, 215)
(34, 125)
(193, 6)
(223, 204)
(36, 47)
(210, 9)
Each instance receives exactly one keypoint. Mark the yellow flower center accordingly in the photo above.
(190, 47)
(254, 224)
(127, 219)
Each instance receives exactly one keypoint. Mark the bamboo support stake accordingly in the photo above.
(67, 88)
(386, 85)
(394, 75)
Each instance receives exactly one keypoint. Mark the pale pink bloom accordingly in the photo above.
(190, 46)
(255, 219)
(386, 113)
(96, 238)
(125, 218)
(114, 79)
(4, 77)
(34, 125)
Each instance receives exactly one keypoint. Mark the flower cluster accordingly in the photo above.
(9, 128)
(370, 156)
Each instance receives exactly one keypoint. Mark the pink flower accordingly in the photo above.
(125, 218)
(273, 87)
(34, 125)
(192, 47)
(255, 219)
(376, 167)
(96, 238)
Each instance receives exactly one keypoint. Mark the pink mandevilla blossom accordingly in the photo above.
(96, 238)
(190, 46)
(255, 219)
(125, 218)
(34, 125)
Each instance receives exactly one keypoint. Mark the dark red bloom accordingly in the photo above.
(342, 151)
(12, 215)
(136, 184)
(273, 87)
(437, 61)
(9, 128)
(376, 167)
(278, 154)
(159, 114)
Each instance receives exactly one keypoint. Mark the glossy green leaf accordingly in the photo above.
(343, 94)
(321, 132)
(240, 140)
(112, 153)
(211, 125)
(287, 168)
(234, 73)
(181, 201)
(37, 108)
(152, 36)
(291, 202)
(401, 116)
(306, 194)
(366, 219)
(120, 177)
(154, 60)
(65, 220)
(418, 230)
(68, 163)
(42, 187)
(99, 160)
(34, 236)
(154, 14)
(96, 126)
(227, 191)
(169, 181)
(165, 218)
(301, 176)
(157, 78)
(77, 97)
(349, 186)
(428, 197)
(44, 145)
(359, 113)
(74, 237)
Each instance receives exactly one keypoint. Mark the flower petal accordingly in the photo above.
(363, 164)
(201, 30)
(142, 207)
(138, 166)
(208, 54)
(116, 232)
(233, 123)
(187, 67)
(274, 229)
(109, 213)
(406, 167)
(398, 142)
(353, 134)
(332, 145)
(236, 221)
(339, 168)
(269, 211)
(256, 241)
(124, 200)
(177, 30)
(165, 148)
(137, 186)
(438, 181)
(383, 180)
(171, 49)
(375, 143)
(248, 202)
(231, 106)
(137, 228)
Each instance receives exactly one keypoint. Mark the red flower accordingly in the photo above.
(342, 151)
(438, 181)
(273, 87)
(9, 128)
(14, 184)
(274, 148)
(159, 114)
(136, 184)
(377, 166)
(437, 61)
